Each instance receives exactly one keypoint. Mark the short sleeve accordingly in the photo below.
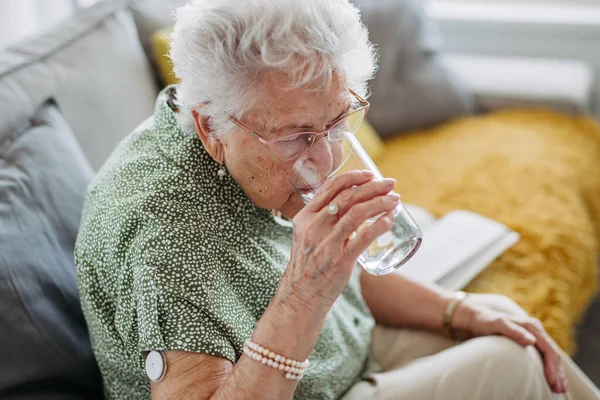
(183, 286)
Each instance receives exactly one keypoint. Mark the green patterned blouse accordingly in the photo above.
(170, 256)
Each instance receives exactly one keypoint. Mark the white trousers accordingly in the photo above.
(419, 365)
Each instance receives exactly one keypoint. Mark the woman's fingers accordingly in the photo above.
(347, 198)
(526, 332)
(358, 194)
(516, 332)
(330, 189)
(365, 237)
(553, 369)
(358, 215)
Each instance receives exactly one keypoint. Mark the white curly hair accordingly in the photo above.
(221, 48)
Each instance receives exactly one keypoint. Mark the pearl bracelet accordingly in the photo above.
(293, 369)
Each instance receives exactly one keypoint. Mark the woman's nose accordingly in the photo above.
(320, 158)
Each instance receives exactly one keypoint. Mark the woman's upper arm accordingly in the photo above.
(191, 375)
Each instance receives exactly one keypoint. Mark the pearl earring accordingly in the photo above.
(221, 172)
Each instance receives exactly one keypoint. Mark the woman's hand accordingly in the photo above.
(324, 250)
(477, 317)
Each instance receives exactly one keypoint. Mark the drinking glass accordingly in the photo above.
(339, 152)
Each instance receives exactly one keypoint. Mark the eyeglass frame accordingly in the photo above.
(365, 105)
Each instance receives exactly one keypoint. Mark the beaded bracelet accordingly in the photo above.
(293, 369)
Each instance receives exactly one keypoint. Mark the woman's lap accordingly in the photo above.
(425, 366)
(420, 367)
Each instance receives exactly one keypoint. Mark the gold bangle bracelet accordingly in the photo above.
(447, 329)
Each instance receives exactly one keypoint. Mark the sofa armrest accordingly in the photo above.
(504, 82)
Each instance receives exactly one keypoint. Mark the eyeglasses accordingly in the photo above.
(288, 148)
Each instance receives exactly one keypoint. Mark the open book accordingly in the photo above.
(456, 247)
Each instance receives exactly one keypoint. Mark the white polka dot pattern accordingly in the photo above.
(172, 257)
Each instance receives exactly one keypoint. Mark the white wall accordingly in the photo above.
(522, 30)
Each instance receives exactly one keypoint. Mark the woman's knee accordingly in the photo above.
(507, 353)
(512, 366)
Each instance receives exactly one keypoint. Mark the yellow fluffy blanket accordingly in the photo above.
(537, 172)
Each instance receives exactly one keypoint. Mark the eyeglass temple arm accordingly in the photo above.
(360, 99)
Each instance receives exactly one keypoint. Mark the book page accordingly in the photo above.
(460, 277)
(451, 242)
(422, 217)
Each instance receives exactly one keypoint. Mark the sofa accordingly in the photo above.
(67, 97)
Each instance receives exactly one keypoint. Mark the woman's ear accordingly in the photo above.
(211, 144)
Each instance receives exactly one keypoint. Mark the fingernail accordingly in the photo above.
(563, 387)
(389, 181)
(530, 337)
(389, 220)
(394, 196)
(366, 172)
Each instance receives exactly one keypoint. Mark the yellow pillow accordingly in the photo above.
(160, 49)
(535, 171)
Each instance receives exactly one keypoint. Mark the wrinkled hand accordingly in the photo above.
(324, 246)
(475, 317)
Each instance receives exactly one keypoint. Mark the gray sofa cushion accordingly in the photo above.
(94, 66)
(412, 88)
(44, 347)
(151, 16)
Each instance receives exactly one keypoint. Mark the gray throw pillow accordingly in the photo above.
(45, 351)
(95, 68)
(412, 89)
(151, 16)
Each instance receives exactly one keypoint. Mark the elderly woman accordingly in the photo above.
(192, 289)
